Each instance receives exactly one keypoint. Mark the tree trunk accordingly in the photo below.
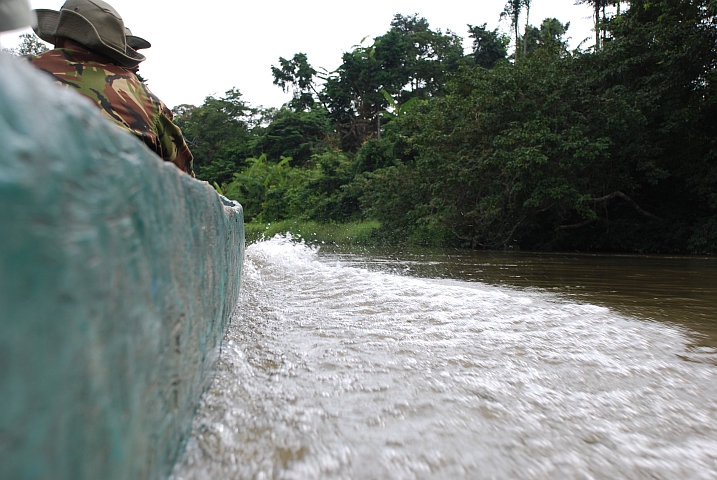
(597, 26)
(527, 24)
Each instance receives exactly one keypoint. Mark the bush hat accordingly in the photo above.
(15, 14)
(134, 41)
(94, 24)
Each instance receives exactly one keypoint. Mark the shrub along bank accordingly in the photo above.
(314, 233)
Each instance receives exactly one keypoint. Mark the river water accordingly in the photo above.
(451, 364)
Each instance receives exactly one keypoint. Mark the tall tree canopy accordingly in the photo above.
(298, 76)
(409, 61)
(218, 133)
(489, 47)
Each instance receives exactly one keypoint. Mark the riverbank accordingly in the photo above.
(352, 233)
(360, 233)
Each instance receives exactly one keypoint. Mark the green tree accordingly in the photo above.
(512, 11)
(548, 39)
(515, 156)
(267, 190)
(298, 76)
(352, 96)
(552, 32)
(295, 134)
(409, 61)
(599, 18)
(610, 150)
(272, 191)
(219, 134)
(661, 57)
(30, 45)
(489, 47)
(429, 57)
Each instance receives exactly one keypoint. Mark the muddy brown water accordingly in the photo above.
(452, 364)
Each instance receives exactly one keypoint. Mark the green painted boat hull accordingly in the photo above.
(118, 274)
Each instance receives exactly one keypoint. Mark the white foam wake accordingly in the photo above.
(339, 372)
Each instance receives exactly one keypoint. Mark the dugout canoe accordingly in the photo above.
(118, 274)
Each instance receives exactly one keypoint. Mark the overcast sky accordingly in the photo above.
(207, 47)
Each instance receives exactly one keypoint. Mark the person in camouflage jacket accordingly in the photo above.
(91, 57)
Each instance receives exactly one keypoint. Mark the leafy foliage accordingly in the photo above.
(219, 134)
(298, 75)
(295, 134)
(613, 149)
(488, 47)
(409, 61)
(271, 191)
(30, 44)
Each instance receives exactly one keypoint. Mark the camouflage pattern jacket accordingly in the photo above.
(121, 97)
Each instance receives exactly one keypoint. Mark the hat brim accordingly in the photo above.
(46, 24)
(75, 27)
(137, 43)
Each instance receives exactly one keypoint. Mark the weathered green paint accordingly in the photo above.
(118, 273)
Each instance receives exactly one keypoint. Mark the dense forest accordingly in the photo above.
(521, 143)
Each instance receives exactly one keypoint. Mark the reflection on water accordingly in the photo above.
(438, 365)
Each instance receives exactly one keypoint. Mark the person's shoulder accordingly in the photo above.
(56, 55)
(52, 60)
(159, 103)
(47, 54)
